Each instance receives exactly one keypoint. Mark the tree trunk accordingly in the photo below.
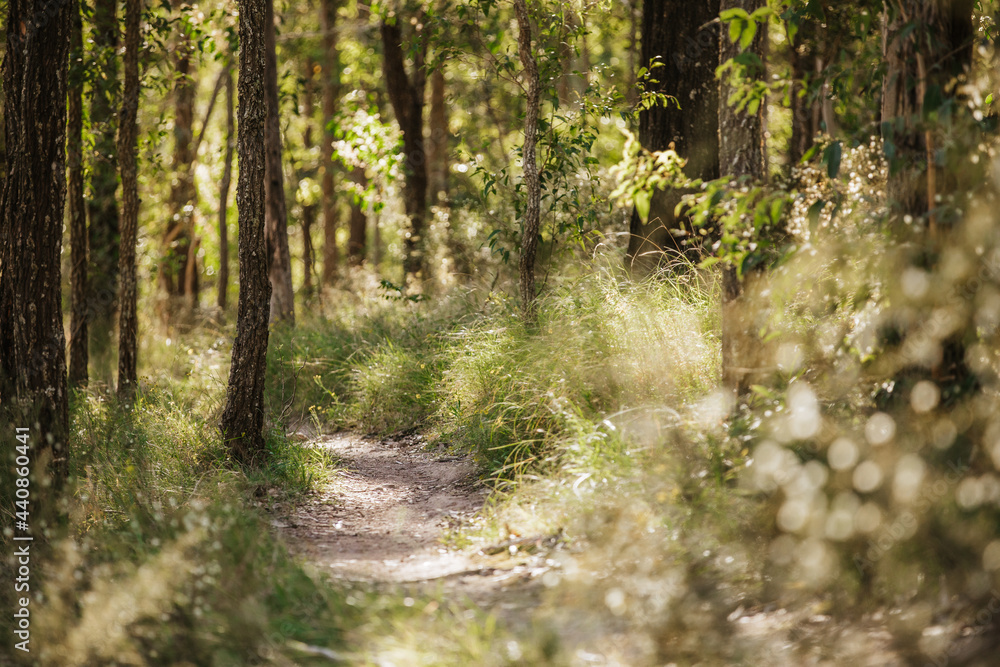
(276, 225)
(33, 385)
(685, 36)
(406, 93)
(78, 340)
(308, 208)
(437, 147)
(331, 91)
(358, 241)
(243, 418)
(805, 107)
(176, 280)
(103, 205)
(741, 155)
(128, 326)
(227, 177)
(532, 85)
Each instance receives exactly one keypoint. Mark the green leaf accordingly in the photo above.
(735, 30)
(642, 200)
(735, 13)
(989, 99)
(749, 32)
(831, 158)
(776, 207)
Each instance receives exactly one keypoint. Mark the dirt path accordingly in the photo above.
(383, 518)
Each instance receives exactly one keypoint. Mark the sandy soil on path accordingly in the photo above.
(383, 517)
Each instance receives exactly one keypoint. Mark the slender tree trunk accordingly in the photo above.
(227, 176)
(919, 59)
(437, 147)
(331, 91)
(128, 326)
(532, 215)
(308, 208)
(242, 422)
(406, 93)
(276, 226)
(78, 340)
(358, 241)
(685, 37)
(805, 108)
(103, 204)
(33, 384)
(741, 155)
(308, 253)
(177, 282)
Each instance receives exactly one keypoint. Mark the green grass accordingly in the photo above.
(463, 368)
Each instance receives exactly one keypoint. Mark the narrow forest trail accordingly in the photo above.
(383, 520)
(384, 517)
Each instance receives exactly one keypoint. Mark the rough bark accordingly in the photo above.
(331, 91)
(741, 134)
(685, 37)
(406, 94)
(437, 146)
(243, 417)
(178, 283)
(532, 214)
(742, 155)
(128, 133)
(33, 384)
(227, 177)
(276, 222)
(78, 340)
(103, 204)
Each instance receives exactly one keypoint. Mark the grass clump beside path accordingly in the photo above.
(466, 370)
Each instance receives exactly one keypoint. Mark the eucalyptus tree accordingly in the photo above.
(102, 204)
(128, 130)
(679, 57)
(276, 222)
(33, 383)
(406, 93)
(742, 155)
(242, 421)
(79, 343)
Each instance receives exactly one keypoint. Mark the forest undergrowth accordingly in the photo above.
(602, 424)
(565, 419)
